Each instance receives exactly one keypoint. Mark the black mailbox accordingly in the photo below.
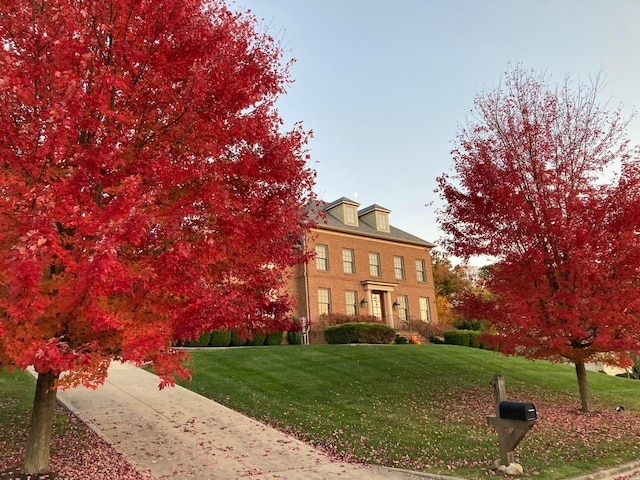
(518, 411)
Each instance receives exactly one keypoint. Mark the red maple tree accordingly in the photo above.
(148, 191)
(547, 183)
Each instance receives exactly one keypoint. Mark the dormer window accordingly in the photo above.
(383, 221)
(350, 215)
(376, 217)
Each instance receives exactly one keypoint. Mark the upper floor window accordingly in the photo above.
(324, 301)
(403, 307)
(398, 267)
(351, 300)
(348, 261)
(374, 264)
(322, 258)
(421, 272)
(351, 217)
(425, 310)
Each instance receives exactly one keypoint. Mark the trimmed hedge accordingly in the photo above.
(273, 338)
(400, 340)
(202, 341)
(464, 338)
(237, 340)
(359, 333)
(294, 338)
(220, 338)
(256, 340)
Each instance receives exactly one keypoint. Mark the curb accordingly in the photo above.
(611, 473)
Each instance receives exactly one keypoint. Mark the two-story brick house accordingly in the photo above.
(364, 265)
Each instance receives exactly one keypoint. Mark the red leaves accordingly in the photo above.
(148, 192)
(529, 189)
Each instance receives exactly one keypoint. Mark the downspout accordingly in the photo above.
(306, 282)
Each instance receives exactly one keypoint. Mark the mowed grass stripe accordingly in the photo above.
(423, 407)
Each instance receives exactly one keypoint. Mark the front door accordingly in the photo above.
(376, 305)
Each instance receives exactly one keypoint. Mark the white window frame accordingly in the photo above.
(398, 267)
(350, 215)
(351, 302)
(322, 258)
(403, 307)
(324, 301)
(383, 221)
(421, 270)
(374, 264)
(348, 261)
(425, 309)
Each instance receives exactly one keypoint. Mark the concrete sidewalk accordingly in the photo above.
(177, 434)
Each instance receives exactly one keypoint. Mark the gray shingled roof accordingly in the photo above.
(332, 223)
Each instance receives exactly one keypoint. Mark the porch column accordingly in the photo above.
(388, 309)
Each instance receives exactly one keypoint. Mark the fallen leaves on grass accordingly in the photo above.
(562, 434)
(77, 453)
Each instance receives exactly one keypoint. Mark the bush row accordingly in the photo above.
(331, 319)
(225, 338)
(465, 338)
(359, 333)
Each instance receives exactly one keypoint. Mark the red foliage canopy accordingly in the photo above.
(546, 182)
(148, 192)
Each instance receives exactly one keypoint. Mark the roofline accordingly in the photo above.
(379, 237)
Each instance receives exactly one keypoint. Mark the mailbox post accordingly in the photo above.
(512, 420)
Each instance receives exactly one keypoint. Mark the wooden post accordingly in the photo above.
(510, 432)
(500, 395)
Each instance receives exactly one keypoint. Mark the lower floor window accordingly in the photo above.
(324, 301)
(351, 299)
(425, 311)
(403, 307)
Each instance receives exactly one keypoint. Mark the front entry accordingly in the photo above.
(378, 299)
(376, 305)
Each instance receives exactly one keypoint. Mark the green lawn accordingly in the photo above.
(423, 407)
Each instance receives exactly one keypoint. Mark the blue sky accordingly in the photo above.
(385, 85)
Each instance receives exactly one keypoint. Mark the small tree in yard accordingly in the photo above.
(148, 193)
(546, 182)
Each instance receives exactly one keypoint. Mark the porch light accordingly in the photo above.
(363, 302)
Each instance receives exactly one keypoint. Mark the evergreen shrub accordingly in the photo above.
(273, 338)
(220, 338)
(257, 339)
(464, 338)
(236, 339)
(202, 341)
(294, 338)
(359, 333)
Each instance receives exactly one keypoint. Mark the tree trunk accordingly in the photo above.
(36, 458)
(585, 395)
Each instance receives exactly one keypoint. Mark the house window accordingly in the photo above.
(398, 267)
(350, 215)
(351, 300)
(374, 264)
(425, 310)
(324, 301)
(421, 273)
(348, 261)
(322, 258)
(403, 307)
(382, 222)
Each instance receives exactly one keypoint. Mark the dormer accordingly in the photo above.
(345, 210)
(377, 217)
